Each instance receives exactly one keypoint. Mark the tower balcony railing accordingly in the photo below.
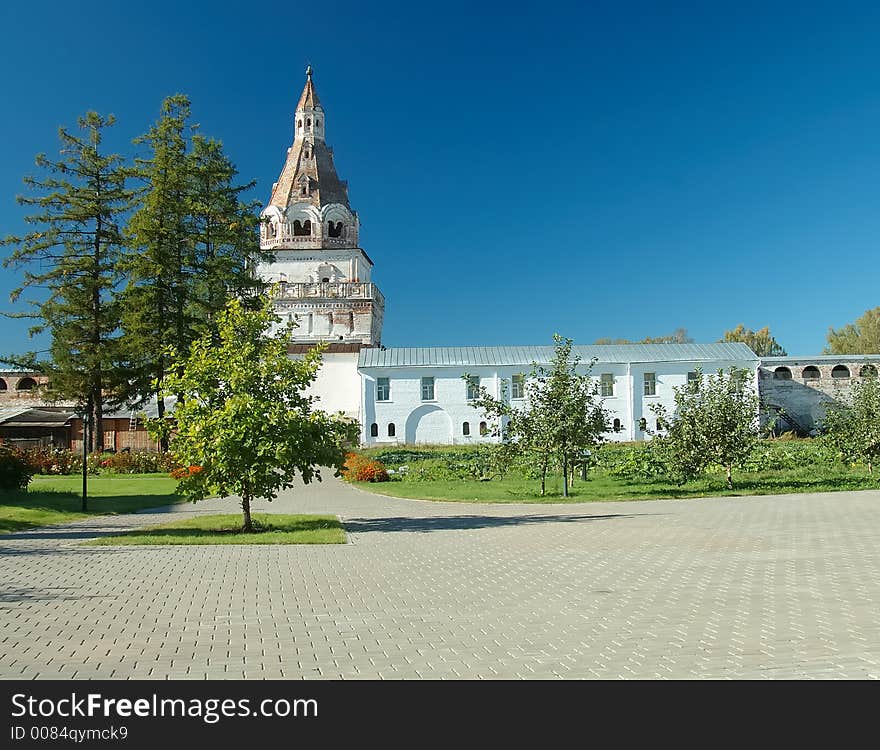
(329, 290)
(288, 238)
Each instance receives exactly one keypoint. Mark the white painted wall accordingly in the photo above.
(441, 420)
(302, 266)
(338, 385)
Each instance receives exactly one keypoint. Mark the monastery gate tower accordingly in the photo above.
(323, 279)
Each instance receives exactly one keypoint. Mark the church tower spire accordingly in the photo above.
(309, 112)
(323, 276)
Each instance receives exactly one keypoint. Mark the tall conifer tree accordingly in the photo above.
(155, 313)
(223, 234)
(73, 258)
(195, 242)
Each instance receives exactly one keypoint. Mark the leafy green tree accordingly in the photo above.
(715, 422)
(562, 420)
(852, 425)
(245, 425)
(861, 337)
(761, 342)
(73, 258)
(678, 336)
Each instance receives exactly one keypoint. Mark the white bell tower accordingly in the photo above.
(323, 278)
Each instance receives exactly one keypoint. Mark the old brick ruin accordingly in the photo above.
(797, 390)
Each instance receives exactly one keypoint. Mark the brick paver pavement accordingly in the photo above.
(756, 587)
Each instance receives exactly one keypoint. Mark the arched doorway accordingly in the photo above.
(428, 424)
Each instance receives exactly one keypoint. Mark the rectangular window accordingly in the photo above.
(383, 389)
(473, 388)
(427, 389)
(518, 386)
(606, 384)
(650, 384)
(692, 377)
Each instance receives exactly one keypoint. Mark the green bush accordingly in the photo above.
(630, 461)
(16, 470)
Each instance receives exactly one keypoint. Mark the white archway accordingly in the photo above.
(428, 424)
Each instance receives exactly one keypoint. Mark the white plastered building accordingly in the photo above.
(412, 396)
(322, 279)
(323, 285)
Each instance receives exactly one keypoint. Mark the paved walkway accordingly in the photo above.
(760, 587)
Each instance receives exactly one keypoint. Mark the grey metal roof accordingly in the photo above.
(39, 418)
(8, 412)
(148, 408)
(455, 356)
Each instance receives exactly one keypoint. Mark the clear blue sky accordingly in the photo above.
(596, 169)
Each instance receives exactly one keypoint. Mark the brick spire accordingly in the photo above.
(309, 175)
(309, 100)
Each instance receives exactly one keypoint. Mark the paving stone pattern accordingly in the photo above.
(760, 587)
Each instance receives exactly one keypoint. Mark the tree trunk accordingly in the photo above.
(870, 467)
(98, 419)
(729, 477)
(246, 509)
(160, 411)
(89, 425)
(543, 479)
(565, 476)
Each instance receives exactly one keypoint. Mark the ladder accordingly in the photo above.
(132, 421)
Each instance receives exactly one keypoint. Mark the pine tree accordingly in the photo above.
(73, 256)
(223, 234)
(196, 242)
(155, 311)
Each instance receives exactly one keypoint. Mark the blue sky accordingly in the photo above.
(592, 169)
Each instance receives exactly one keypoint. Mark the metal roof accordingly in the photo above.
(8, 412)
(148, 408)
(38, 418)
(458, 356)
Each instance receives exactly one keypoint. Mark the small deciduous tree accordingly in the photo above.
(678, 336)
(861, 337)
(245, 425)
(562, 419)
(852, 425)
(761, 342)
(716, 421)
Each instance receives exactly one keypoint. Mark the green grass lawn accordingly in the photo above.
(53, 499)
(599, 487)
(226, 529)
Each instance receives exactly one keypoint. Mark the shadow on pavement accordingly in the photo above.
(456, 523)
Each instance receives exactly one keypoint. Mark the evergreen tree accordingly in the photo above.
(195, 242)
(74, 256)
(155, 309)
(223, 234)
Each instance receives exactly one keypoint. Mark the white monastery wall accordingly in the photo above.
(441, 420)
(338, 385)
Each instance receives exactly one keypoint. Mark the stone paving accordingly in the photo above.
(755, 587)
